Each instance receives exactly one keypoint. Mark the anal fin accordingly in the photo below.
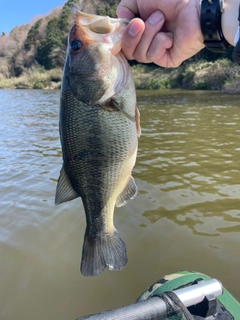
(64, 191)
(129, 192)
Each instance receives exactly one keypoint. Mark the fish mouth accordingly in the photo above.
(102, 29)
(98, 24)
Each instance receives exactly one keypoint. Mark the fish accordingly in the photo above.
(99, 126)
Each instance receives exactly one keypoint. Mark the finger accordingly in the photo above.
(152, 26)
(140, 8)
(131, 37)
(123, 12)
(158, 51)
(127, 9)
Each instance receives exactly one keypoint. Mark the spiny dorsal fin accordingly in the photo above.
(129, 192)
(65, 191)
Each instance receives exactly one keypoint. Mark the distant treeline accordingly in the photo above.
(42, 45)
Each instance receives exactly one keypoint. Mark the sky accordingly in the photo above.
(17, 12)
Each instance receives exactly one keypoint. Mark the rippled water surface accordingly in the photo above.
(186, 215)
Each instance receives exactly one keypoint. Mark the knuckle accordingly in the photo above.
(139, 57)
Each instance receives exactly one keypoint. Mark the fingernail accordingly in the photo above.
(156, 17)
(133, 30)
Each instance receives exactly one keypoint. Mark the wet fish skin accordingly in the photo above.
(99, 129)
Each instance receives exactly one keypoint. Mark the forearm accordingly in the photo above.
(230, 20)
(181, 36)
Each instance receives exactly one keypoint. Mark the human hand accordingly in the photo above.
(168, 32)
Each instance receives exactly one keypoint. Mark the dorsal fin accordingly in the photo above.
(65, 191)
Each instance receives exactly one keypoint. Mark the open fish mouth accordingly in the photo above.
(99, 24)
(101, 29)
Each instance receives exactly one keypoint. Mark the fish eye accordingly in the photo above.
(76, 45)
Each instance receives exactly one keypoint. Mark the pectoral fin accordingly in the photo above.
(65, 191)
(137, 120)
(112, 105)
(129, 192)
(120, 108)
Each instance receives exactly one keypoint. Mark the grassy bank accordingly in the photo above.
(221, 75)
(36, 78)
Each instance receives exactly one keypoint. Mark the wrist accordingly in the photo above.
(229, 20)
(211, 25)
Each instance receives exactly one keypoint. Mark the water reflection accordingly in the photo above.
(190, 153)
(187, 211)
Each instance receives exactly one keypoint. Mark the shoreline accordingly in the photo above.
(221, 75)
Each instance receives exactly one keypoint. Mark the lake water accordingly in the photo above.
(186, 215)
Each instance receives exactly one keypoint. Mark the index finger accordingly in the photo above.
(125, 13)
(127, 10)
(139, 8)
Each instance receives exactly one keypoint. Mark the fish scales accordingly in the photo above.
(100, 156)
(99, 129)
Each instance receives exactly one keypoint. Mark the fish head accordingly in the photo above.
(95, 69)
(92, 40)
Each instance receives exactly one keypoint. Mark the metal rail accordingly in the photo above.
(154, 308)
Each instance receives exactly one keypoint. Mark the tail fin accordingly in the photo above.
(105, 251)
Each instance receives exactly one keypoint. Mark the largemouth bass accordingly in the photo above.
(99, 130)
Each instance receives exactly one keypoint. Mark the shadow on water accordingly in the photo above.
(186, 215)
